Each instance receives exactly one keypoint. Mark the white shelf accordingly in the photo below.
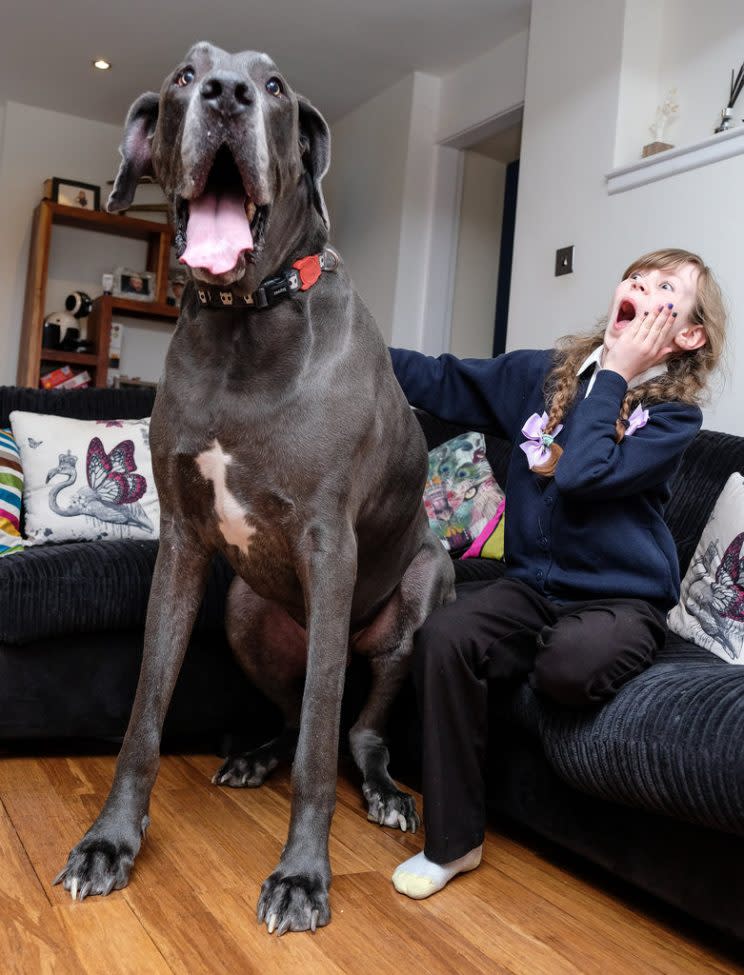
(677, 160)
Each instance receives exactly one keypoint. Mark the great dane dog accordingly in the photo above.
(281, 438)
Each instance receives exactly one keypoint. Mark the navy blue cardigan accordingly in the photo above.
(596, 529)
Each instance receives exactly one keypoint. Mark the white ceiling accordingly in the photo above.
(338, 53)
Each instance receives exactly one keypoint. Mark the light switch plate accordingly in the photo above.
(564, 260)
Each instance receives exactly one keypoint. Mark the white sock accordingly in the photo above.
(419, 877)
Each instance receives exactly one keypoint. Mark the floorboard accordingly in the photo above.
(190, 905)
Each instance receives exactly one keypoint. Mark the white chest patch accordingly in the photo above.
(233, 522)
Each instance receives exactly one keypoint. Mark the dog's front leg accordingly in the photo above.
(295, 896)
(102, 860)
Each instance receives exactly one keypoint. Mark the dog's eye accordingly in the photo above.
(184, 77)
(274, 87)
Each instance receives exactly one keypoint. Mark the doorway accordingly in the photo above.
(485, 240)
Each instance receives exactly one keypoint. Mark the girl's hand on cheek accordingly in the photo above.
(642, 344)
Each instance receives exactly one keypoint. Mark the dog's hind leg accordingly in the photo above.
(427, 583)
(272, 649)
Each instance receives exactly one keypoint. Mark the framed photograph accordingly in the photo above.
(177, 278)
(134, 285)
(72, 193)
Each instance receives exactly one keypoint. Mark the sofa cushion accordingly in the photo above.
(705, 467)
(52, 590)
(710, 611)
(461, 495)
(670, 742)
(11, 492)
(86, 480)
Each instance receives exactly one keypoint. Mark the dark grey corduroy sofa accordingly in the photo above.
(651, 786)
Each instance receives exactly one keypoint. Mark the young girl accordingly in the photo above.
(591, 567)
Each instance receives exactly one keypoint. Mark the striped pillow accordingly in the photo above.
(11, 491)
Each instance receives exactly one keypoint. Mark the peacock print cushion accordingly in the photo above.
(464, 503)
(710, 611)
(86, 480)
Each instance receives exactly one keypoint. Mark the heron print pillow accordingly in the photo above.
(86, 480)
(710, 611)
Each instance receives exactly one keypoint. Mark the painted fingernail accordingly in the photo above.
(670, 305)
(674, 314)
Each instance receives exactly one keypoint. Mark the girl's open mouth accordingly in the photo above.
(625, 313)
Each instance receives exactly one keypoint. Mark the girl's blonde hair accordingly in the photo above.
(687, 372)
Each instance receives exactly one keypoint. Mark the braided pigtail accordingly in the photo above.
(562, 384)
(621, 424)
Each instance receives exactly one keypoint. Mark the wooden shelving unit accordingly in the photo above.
(157, 236)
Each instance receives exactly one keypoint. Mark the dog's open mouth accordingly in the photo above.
(223, 222)
(625, 313)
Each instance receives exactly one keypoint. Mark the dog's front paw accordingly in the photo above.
(96, 867)
(388, 806)
(293, 902)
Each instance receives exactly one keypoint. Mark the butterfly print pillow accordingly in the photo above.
(86, 480)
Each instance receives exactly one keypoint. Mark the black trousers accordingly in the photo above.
(578, 654)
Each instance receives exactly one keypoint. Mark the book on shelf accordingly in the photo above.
(65, 378)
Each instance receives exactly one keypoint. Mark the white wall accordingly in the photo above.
(700, 44)
(676, 44)
(478, 249)
(37, 144)
(491, 85)
(391, 187)
(572, 98)
(364, 193)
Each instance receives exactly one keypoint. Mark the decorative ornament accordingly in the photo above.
(665, 114)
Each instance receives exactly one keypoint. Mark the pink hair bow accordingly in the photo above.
(637, 419)
(537, 445)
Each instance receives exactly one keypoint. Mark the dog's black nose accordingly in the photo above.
(226, 92)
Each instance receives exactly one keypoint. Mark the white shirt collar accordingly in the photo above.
(595, 359)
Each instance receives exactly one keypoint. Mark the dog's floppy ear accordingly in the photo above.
(136, 150)
(315, 147)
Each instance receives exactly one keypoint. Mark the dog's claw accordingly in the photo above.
(297, 902)
(74, 888)
(391, 808)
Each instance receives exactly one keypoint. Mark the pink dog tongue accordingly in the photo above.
(217, 232)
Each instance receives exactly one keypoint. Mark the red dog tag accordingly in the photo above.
(309, 270)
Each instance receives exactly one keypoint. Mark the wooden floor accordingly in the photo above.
(190, 906)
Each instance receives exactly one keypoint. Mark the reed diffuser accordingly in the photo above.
(727, 115)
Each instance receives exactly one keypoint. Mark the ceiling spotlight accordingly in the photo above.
(102, 64)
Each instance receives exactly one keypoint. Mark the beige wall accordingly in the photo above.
(383, 188)
(479, 245)
(364, 193)
(575, 86)
(38, 144)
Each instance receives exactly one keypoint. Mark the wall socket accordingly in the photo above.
(564, 260)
